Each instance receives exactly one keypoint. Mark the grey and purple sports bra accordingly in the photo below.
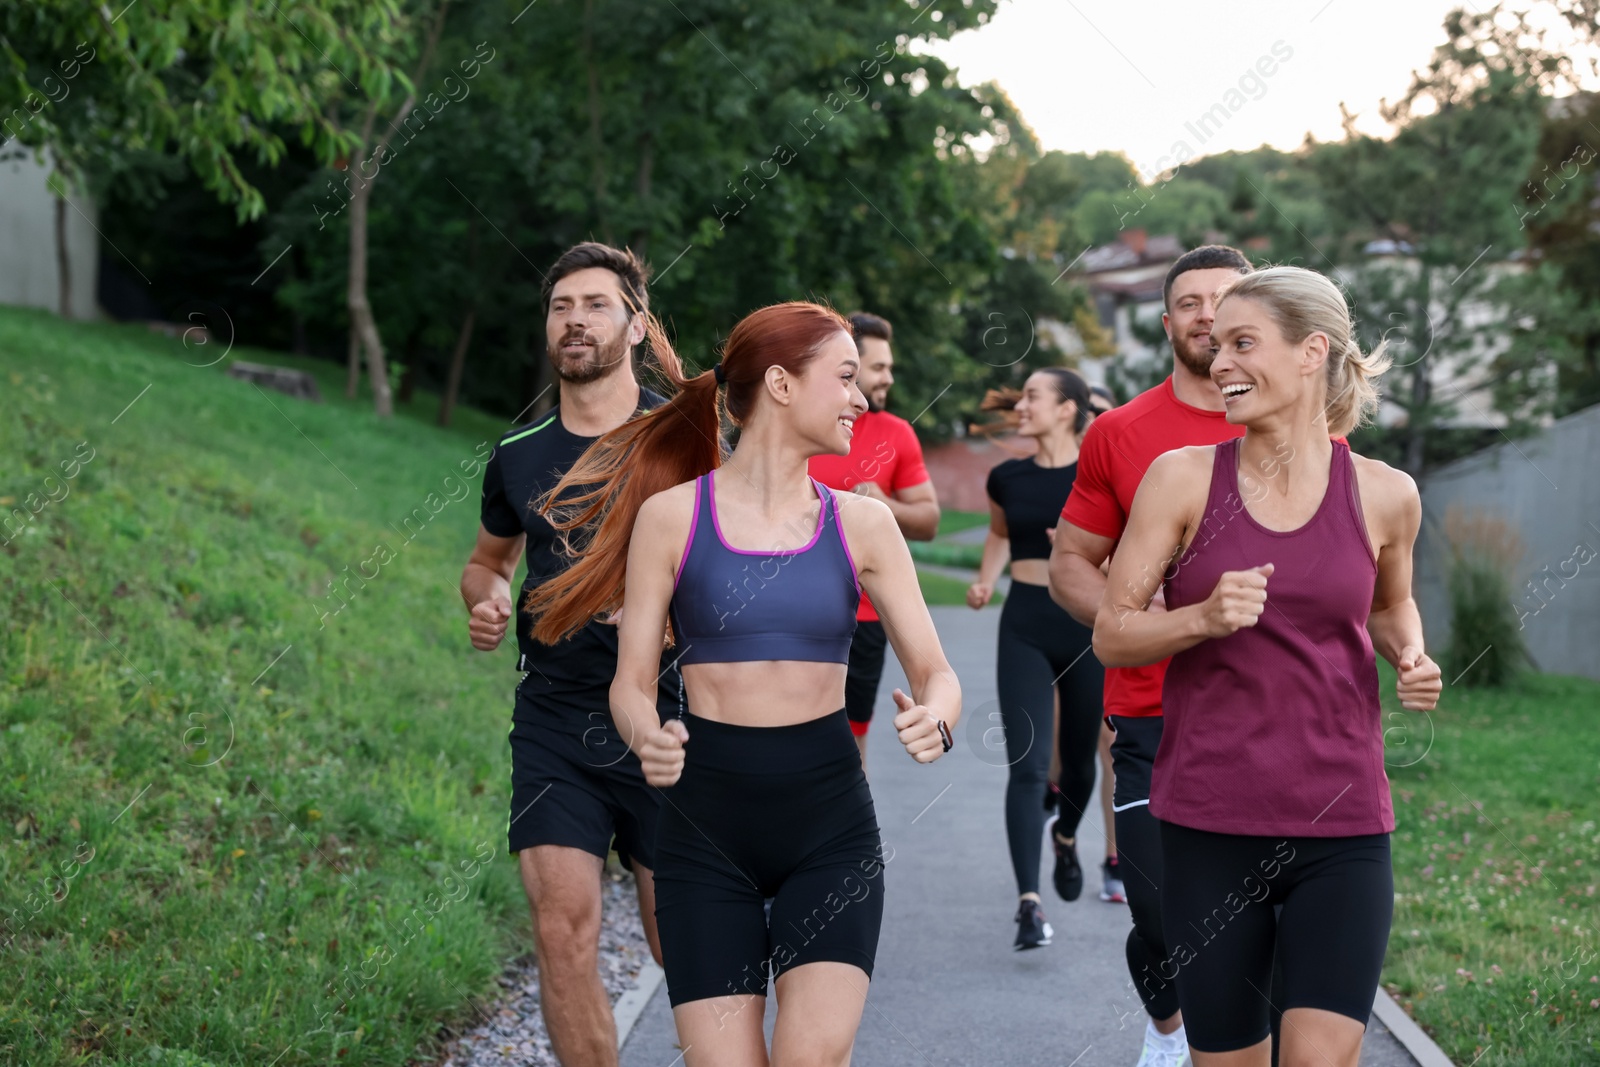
(735, 605)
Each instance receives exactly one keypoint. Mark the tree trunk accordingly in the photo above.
(1420, 413)
(1416, 423)
(640, 242)
(458, 360)
(63, 259)
(362, 323)
(408, 374)
(352, 378)
(538, 394)
(361, 320)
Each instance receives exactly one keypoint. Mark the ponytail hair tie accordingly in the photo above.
(720, 374)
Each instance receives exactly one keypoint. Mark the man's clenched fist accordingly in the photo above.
(487, 623)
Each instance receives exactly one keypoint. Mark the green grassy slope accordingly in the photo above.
(235, 821)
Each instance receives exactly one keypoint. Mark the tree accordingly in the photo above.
(1026, 200)
(356, 117)
(1552, 366)
(760, 152)
(1474, 110)
(208, 79)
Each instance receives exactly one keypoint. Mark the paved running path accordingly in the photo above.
(948, 987)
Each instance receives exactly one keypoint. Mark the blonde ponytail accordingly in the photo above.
(1353, 386)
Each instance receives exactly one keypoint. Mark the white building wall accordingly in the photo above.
(28, 275)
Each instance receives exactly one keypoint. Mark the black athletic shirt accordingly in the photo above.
(1032, 498)
(569, 683)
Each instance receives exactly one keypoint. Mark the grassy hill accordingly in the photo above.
(242, 817)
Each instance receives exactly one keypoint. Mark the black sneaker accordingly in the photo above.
(1032, 930)
(1068, 875)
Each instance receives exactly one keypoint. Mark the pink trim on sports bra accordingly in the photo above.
(694, 521)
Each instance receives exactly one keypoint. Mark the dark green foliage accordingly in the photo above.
(1486, 647)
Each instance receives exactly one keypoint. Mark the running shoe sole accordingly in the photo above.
(1049, 933)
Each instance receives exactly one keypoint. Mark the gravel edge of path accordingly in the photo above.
(510, 1032)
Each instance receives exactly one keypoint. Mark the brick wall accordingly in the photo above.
(960, 468)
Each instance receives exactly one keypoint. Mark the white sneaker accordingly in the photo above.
(1164, 1050)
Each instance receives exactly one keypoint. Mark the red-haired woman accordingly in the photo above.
(759, 569)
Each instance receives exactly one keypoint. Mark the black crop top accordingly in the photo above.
(1031, 497)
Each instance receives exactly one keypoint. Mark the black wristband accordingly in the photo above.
(944, 736)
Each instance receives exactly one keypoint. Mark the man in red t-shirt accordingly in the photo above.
(885, 462)
(1185, 409)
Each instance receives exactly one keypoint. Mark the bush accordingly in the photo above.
(947, 554)
(1486, 646)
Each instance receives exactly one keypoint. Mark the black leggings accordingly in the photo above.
(1044, 651)
(1336, 896)
(778, 813)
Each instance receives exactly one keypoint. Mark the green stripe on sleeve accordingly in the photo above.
(524, 433)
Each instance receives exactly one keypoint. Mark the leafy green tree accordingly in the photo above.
(357, 115)
(1027, 200)
(1552, 366)
(205, 79)
(209, 80)
(757, 151)
(1474, 110)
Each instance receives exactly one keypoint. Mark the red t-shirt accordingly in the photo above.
(1116, 452)
(884, 451)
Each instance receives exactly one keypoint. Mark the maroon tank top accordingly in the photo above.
(1276, 728)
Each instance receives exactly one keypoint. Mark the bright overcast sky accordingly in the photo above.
(1096, 75)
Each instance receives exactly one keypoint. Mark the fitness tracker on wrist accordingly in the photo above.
(944, 735)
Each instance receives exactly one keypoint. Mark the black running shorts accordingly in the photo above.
(1230, 903)
(778, 813)
(581, 791)
(1133, 758)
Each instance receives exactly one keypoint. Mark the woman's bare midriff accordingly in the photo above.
(764, 692)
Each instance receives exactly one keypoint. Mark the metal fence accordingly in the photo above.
(1547, 489)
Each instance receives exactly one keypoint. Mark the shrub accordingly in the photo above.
(1486, 647)
(947, 554)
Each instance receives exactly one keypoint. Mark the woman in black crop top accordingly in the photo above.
(1043, 652)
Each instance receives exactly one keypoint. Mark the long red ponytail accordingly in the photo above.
(600, 497)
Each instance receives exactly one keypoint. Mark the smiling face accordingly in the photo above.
(1258, 370)
(589, 331)
(1192, 313)
(877, 372)
(828, 397)
(1041, 408)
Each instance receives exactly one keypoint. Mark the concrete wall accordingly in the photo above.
(28, 240)
(1548, 489)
